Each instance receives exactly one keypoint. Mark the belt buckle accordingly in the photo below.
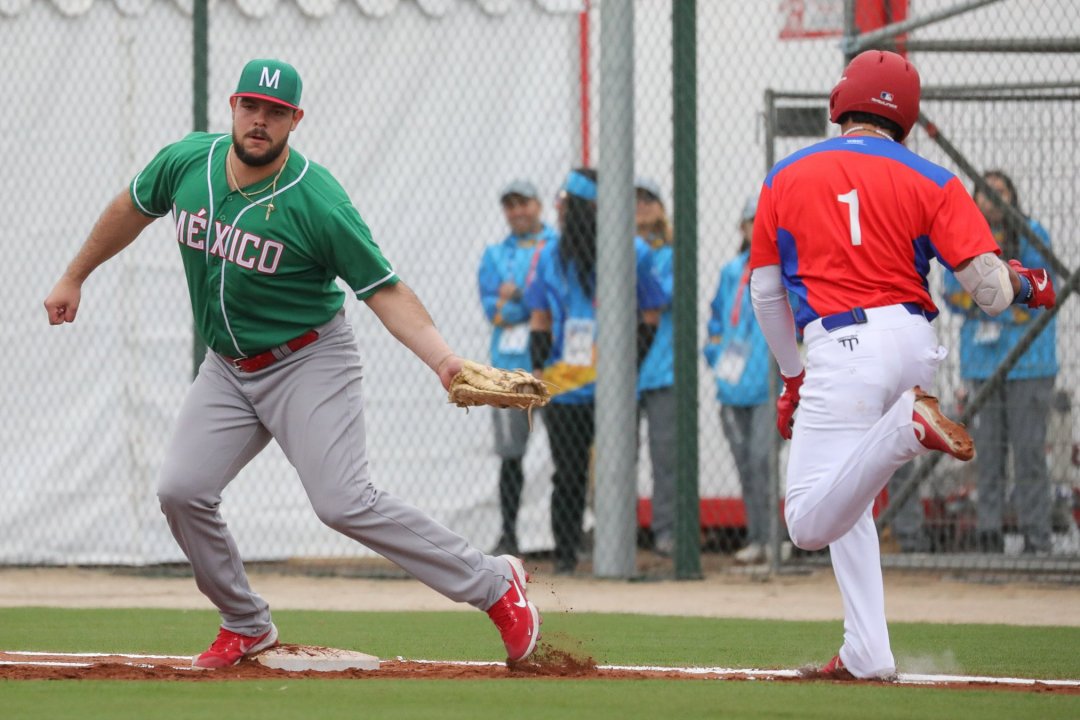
(858, 314)
(236, 363)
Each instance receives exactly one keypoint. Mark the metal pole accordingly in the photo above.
(855, 43)
(583, 71)
(772, 496)
(851, 32)
(1000, 45)
(200, 121)
(616, 295)
(951, 92)
(687, 505)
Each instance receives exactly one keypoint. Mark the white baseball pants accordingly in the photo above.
(853, 430)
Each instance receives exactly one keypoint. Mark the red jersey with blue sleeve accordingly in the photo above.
(853, 221)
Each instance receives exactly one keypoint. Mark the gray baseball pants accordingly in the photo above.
(659, 407)
(310, 402)
(1015, 417)
(748, 429)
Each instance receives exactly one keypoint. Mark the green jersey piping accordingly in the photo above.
(377, 283)
(142, 208)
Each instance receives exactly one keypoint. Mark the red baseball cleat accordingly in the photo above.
(229, 648)
(518, 619)
(937, 432)
(835, 669)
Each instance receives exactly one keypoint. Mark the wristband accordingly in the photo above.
(1025, 292)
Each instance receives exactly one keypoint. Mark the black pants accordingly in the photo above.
(570, 431)
(511, 483)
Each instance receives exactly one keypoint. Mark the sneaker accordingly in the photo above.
(518, 619)
(230, 648)
(752, 554)
(835, 669)
(785, 551)
(664, 546)
(937, 432)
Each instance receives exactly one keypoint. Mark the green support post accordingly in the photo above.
(687, 506)
(200, 121)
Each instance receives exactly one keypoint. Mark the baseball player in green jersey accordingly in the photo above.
(264, 233)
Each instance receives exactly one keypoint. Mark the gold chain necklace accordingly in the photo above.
(272, 185)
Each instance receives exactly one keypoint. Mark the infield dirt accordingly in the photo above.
(910, 596)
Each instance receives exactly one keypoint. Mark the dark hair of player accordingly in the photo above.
(893, 128)
(1010, 245)
(577, 244)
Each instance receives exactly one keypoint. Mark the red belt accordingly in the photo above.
(271, 356)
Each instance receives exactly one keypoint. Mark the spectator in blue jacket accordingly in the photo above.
(739, 357)
(656, 377)
(1017, 413)
(506, 270)
(563, 301)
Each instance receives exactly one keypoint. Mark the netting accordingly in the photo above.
(425, 110)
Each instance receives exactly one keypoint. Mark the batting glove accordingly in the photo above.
(1040, 288)
(786, 404)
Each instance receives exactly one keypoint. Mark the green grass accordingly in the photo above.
(500, 700)
(1000, 650)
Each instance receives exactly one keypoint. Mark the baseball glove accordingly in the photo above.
(478, 384)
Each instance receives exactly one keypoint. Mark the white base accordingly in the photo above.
(303, 658)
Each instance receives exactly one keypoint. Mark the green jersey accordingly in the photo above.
(257, 278)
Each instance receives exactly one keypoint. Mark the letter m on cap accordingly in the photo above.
(268, 80)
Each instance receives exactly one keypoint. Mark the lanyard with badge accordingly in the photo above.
(732, 362)
(579, 336)
(515, 338)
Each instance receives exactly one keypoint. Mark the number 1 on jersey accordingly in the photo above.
(851, 199)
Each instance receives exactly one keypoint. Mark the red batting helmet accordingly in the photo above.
(878, 82)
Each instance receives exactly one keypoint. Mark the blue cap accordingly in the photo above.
(650, 186)
(521, 187)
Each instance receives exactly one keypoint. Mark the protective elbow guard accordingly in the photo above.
(986, 278)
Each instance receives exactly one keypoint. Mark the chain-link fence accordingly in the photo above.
(425, 110)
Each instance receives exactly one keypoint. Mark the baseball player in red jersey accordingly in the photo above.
(850, 226)
(263, 234)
